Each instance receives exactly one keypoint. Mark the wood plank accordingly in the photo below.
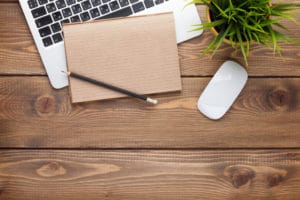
(18, 54)
(9, 1)
(228, 175)
(266, 114)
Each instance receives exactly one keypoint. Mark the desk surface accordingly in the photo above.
(124, 149)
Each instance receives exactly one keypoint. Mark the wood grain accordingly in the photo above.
(266, 114)
(33, 115)
(228, 175)
(18, 54)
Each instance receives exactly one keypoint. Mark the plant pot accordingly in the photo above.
(213, 29)
(216, 33)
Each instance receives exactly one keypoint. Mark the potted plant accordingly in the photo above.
(241, 22)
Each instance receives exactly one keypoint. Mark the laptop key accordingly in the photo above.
(57, 16)
(114, 5)
(133, 1)
(47, 41)
(96, 2)
(123, 3)
(60, 4)
(105, 1)
(65, 21)
(86, 5)
(138, 7)
(43, 21)
(120, 13)
(45, 31)
(66, 12)
(95, 12)
(51, 7)
(42, 2)
(149, 3)
(32, 4)
(85, 16)
(158, 1)
(70, 2)
(75, 18)
(38, 12)
(57, 38)
(104, 9)
(55, 27)
(76, 9)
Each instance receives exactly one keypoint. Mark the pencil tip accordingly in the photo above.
(153, 101)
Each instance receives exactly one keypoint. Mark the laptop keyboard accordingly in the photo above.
(49, 15)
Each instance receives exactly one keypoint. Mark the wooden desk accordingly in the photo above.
(124, 149)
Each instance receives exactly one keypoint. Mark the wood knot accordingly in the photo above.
(51, 169)
(274, 179)
(45, 105)
(281, 99)
(239, 175)
(108, 195)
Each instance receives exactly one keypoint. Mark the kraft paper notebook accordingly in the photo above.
(135, 53)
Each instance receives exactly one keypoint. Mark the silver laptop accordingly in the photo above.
(46, 17)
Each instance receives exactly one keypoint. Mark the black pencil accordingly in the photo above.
(111, 87)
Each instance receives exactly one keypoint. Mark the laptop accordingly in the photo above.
(46, 18)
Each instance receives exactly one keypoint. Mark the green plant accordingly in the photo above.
(241, 22)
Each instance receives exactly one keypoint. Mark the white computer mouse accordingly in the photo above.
(222, 90)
